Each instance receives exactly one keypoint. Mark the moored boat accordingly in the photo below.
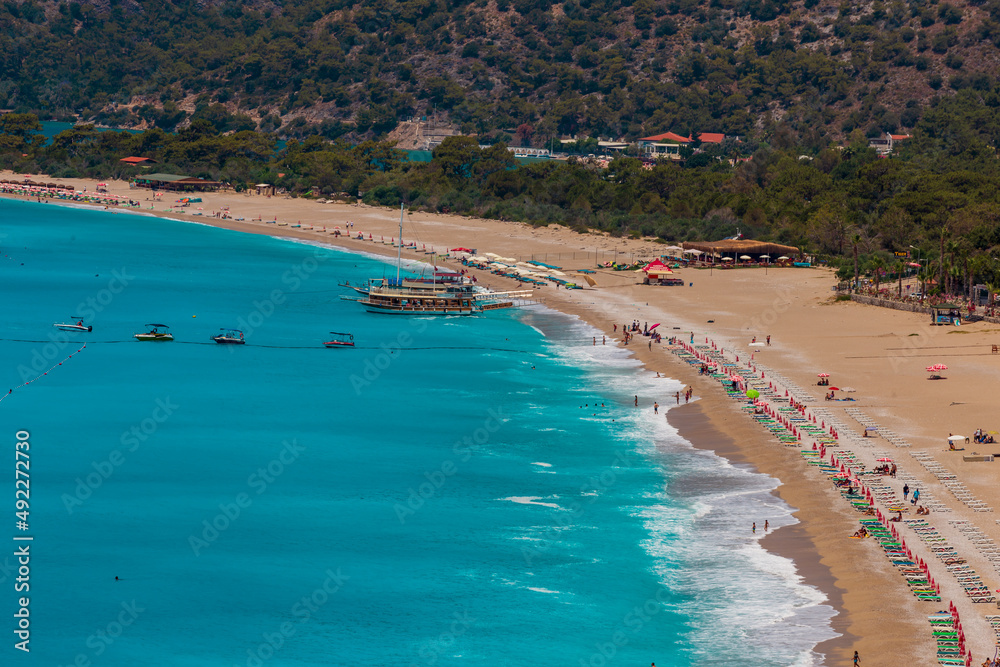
(69, 326)
(444, 293)
(156, 333)
(230, 337)
(340, 340)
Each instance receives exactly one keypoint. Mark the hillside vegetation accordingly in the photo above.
(801, 72)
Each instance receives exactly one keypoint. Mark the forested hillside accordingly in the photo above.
(801, 73)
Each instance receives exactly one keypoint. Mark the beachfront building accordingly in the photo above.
(735, 249)
(175, 182)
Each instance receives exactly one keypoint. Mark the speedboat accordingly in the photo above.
(62, 326)
(230, 337)
(156, 333)
(340, 340)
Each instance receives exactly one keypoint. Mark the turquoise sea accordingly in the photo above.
(454, 491)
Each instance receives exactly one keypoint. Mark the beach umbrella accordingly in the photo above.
(822, 375)
(782, 258)
(940, 367)
(834, 388)
(727, 259)
(884, 459)
(848, 389)
(745, 257)
(753, 393)
(956, 437)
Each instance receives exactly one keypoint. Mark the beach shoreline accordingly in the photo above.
(856, 579)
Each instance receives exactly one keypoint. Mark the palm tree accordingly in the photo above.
(855, 242)
(923, 275)
(944, 232)
(992, 287)
(877, 265)
(954, 277)
(952, 248)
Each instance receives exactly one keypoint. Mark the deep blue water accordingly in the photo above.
(451, 492)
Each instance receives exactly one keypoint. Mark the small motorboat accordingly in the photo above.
(156, 333)
(79, 326)
(340, 340)
(230, 337)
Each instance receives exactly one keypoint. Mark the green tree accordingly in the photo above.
(19, 131)
(457, 156)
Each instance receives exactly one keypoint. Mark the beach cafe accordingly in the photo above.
(946, 313)
(174, 182)
(742, 251)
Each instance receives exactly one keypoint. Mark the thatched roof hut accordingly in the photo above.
(742, 247)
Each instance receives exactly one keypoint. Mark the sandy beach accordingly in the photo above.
(881, 353)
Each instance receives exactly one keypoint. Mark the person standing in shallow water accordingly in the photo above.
(656, 408)
(637, 401)
(754, 529)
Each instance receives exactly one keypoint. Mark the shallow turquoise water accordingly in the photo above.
(450, 492)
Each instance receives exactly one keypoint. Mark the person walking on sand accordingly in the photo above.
(857, 660)
(906, 491)
(769, 339)
(656, 408)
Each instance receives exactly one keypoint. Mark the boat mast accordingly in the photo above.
(399, 248)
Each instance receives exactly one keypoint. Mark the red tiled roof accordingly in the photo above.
(136, 160)
(711, 137)
(667, 136)
(899, 137)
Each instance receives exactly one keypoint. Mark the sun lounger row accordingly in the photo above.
(945, 629)
(970, 581)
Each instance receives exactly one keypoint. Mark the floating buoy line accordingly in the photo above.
(274, 347)
(40, 375)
